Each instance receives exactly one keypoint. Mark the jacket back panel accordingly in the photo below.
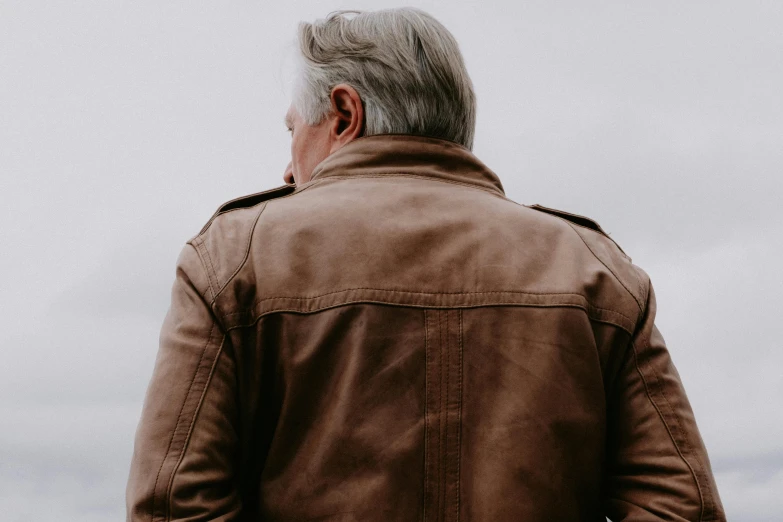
(420, 349)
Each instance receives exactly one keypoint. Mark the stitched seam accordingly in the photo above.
(369, 301)
(441, 429)
(174, 431)
(426, 413)
(212, 268)
(223, 213)
(247, 251)
(641, 309)
(459, 415)
(192, 423)
(259, 301)
(208, 268)
(685, 443)
(665, 424)
(395, 174)
(447, 370)
(246, 255)
(643, 289)
(415, 292)
(198, 245)
(447, 413)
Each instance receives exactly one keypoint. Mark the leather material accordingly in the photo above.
(395, 340)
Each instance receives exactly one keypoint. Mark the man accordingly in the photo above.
(388, 337)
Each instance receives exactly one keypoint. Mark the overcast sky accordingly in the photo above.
(123, 125)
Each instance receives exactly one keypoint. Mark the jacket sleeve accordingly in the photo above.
(657, 466)
(185, 452)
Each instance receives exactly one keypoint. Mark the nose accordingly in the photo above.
(288, 176)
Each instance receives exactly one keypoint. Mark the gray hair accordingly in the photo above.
(405, 65)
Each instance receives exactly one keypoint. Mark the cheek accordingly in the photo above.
(301, 155)
(296, 152)
(307, 147)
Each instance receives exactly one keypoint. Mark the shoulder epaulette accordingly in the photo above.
(250, 200)
(574, 218)
(578, 220)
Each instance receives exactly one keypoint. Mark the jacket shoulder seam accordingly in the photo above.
(244, 257)
(206, 262)
(635, 298)
(578, 220)
(557, 214)
(206, 258)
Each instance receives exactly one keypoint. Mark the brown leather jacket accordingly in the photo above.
(397, 340)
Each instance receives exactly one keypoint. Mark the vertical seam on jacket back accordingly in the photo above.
(426, 415)
(459, 416)
(441, 427)
(447, 370)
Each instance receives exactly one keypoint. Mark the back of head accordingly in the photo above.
(405, 65)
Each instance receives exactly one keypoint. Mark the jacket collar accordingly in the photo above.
(406, 154)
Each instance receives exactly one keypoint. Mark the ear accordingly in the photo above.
(348, 114)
